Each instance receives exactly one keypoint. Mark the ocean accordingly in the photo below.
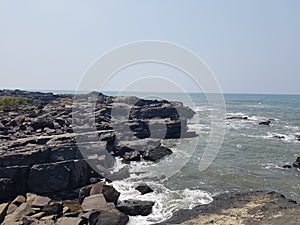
(250, 158)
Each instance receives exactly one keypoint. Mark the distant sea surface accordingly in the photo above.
(251, 156)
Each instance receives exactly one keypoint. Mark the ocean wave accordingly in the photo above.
(166, 201)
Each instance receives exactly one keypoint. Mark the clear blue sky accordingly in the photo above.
(252, 46)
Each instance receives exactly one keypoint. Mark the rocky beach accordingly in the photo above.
(50, 174)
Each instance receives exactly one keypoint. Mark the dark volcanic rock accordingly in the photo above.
(237, 118)
(268, 122)
(136, 207)
(111, 217)
(143, 188)
(156, 153)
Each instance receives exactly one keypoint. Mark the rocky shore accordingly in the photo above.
(50, 174)
(45, 178)
(252, 208)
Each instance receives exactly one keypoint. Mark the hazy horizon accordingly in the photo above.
(252, 47)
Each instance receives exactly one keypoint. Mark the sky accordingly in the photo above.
(252, 46)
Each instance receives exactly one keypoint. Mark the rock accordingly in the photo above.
(110, 217)
(3, 209)
(143, 188)
(94, 202)
(38, 215)
(296, 164)
(297, 137)
(66, 210)
(69, 221)
(237, 118)
(287, 166)
(84, 192)
(257, 207)
(23, 210)
(110, 193)
(278, 137)
(132, 156)
(156, 153)
(41, 201)
(268, 122)
(136, 207)
(53, 208)
(19, 200)
(11, 208)
(30, 197)
(49, 218)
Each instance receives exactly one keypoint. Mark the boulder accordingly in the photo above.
(110, 193)
(143, 188)
(268, 122)
(41, 201)
(136, 207)
(53, 208)
(132, 156)
(296, 164)
(46, 178)
(94, 202)
(156, 153)
(109, 217)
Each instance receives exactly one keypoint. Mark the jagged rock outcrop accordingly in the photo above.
(40, 153)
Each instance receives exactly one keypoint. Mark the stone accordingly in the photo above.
(132, 156)
(47, 218)
(143, 188)
(268, 122)
(237, 118)
(53, 208)
(41, 201)
(46, 178)
(30, 197)
(3, 209)
(110, 193)
(84, 192)
(69, 221)
(23, 210)
(136, 207)
(19, 200)
(110, 217)
(96, 188)
(38, 215)
(11, 208)
(287, 166)
(94, 202)
(157, 153)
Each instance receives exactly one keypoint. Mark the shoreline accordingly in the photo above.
(39, 154)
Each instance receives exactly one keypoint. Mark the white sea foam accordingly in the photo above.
(166, 201)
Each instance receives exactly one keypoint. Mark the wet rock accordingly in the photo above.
(156, 153)
(268, 122)
(132, 156)
(143, 188)
(237, 118)
(296, 164)
(287, 166)
(297, 137)
(136, 207)
(110, 193)
(278, 137)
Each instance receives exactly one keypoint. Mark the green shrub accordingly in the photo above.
(8, 103)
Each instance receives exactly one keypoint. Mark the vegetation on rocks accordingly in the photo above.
(8, 103)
